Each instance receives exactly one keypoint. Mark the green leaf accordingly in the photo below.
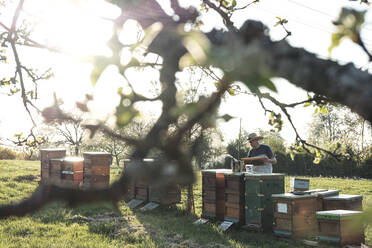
(316, 160)
(231, 91)
(323, 110)
(292, 155)
(316, 110)
(307, 104)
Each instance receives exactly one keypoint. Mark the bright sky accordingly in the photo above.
(83, 31)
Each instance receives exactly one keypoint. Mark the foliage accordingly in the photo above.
(6, 153)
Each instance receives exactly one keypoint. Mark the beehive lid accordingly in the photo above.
(231, 173)
(97, 153)
(216, 171)
(265, 176)
(292, 196)
(73, 159)
(344, 197)
(327, 193)
(56, 159)
(337, 214)
(52, 149)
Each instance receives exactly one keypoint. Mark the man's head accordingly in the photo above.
(253, 139)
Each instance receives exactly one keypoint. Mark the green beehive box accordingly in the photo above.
(258, 201)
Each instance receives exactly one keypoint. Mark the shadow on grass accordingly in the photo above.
(173, 227)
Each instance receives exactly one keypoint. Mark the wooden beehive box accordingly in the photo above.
(340, 226)
(55, 169)
(258, 202)
(234, 197)
(294, 215)
(45, 156)
(141, 190)
(96, 170)
(72, 172)
(299, 184)
(166, 195)
(321, 195)
(213, 194)
(345, 202)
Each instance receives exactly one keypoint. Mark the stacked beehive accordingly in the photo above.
(234, 197)
(295, 215)
(323, 194)
(45, 156)
(72, 172)
(96, 173)
(258, 201)
(213, 194)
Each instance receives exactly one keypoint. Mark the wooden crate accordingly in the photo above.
(321, 195)
(72, 172)
(213, 194)
(45, 156)
(345, 202)
(141, 190)
(96, 173)
(166, 195)
(299, 184)
(340, 226)
(258, 202)
(234, 197)
(294, 215)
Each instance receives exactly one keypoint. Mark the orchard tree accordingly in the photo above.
(237, 54)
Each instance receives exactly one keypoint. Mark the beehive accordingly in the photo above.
(55, 168)
(45, 156)
(213, 194)
(166, 195)
(294, 215)
(258, 201)
(72, 172)
(299, 184)
(340, 226)
(321, 195)
(234, 197)
(345, 202)
(96, 169)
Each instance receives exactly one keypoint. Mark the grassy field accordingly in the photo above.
(103, 225)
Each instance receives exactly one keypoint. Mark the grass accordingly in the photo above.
(103, 225)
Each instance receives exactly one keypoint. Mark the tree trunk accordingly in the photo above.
(190, 200)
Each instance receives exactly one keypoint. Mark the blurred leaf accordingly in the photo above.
(307, 104)
(316, 160)
(231, 91)
(323, 110)
(227, 117)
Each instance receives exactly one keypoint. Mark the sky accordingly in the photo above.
(82, 31)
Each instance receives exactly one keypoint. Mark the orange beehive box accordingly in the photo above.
(45, 156)
(234, 197)
(55, 170)
(96, 170)
(340, 226)
(294, 215)
(72, 172)
(213, 194)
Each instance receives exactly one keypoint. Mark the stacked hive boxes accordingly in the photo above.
(96, 170)
(340, 226)
(323, 194)
(213, 194)
(72, 172)
(46, 155)
(234, 197)
(294, 215)
(258, 201)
